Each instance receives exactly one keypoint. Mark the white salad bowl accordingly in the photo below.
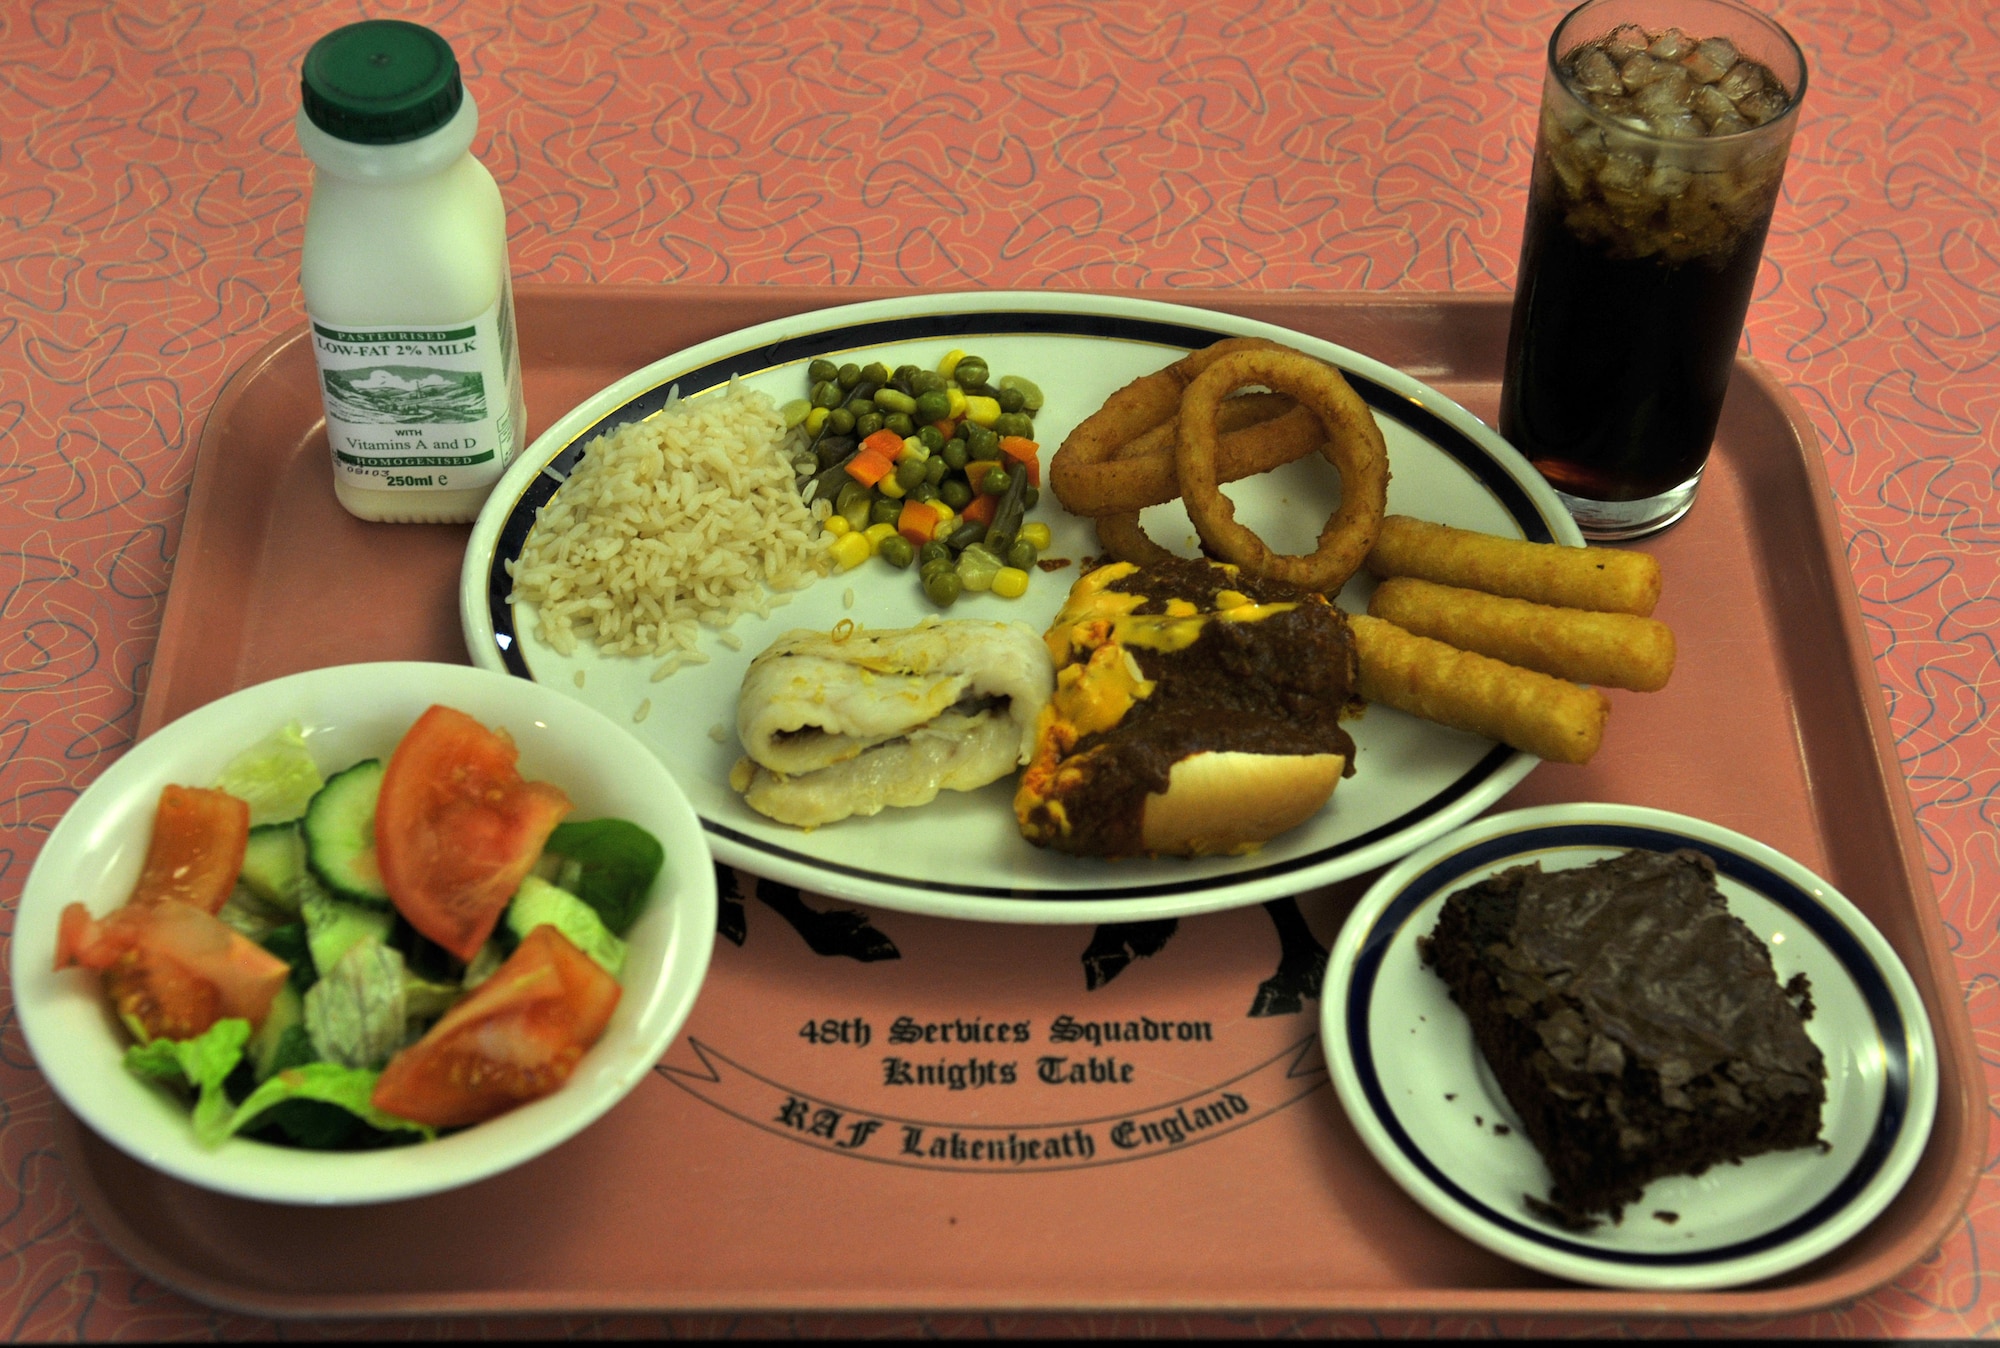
(348, 713)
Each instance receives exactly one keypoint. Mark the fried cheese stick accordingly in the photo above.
(1617, 650)
(1536, 713)
(1604, 580)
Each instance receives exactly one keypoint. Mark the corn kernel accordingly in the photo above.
(946, 515)
(1010, 582)
(891, 488)
(956, 397)
(1037, 533)
(875, 533)
(836, 525)
(949, 364)
(981, 411)
(850, 550)
(817, 418)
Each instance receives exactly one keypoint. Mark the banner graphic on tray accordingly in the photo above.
(1149, 1128)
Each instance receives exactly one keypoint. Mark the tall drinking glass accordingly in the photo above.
(1661, 146)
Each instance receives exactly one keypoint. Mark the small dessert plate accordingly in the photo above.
(1413, 1082)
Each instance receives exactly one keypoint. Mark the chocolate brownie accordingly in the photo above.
(1636, 1025)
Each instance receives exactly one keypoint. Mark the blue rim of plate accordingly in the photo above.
(1880, 999)
(1411, 412)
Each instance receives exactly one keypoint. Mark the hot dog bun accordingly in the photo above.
(1227, 802)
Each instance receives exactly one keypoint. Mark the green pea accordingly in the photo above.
(1028, 500)
(909, 472)
(867, 424)
(839, 421)
(1022, 554)
(849, 375)
(904, 378)
(932, 407)
(965, 535)
(858, 408)
(1031, 393)
(828, 394)
(900, 423)
(884, 511)
(934, 551)
(863, 392)
(821, 370)
(931, 566)
(932, 437)
(924, 492)
(954, 453)
(981, 442)
(1014, 423)
(896, 551)
(955, 494)
(995, 482)
(1011, 399)
(935, 468)
(893, 400)
(876, 373)
(927, 381)
(971, 371)
(942, 587)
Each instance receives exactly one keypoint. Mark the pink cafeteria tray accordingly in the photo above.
(745, 1174)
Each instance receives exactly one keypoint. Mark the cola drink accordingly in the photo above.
(1660, 151)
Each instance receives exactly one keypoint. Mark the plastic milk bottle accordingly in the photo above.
(405, 278)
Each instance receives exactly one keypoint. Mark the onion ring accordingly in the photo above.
(1353, 445)
(1084, 473)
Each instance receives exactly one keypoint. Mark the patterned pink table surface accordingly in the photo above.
(152, 198)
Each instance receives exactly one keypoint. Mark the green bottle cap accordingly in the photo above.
(380, 82)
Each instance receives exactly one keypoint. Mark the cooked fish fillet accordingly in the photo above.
(846, 723)
(952, 753)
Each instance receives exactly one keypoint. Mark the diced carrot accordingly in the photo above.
(980, 510)
(886, 443)
(869, 467)
(1025, 451)
(976, 471)
(917, 522)
(947, 428)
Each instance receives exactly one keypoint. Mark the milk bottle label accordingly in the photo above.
(421, 408)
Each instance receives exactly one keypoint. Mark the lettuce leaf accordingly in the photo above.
(276, 776)
(356, 1014)
(348, 1088)
(609, 864)
(202, 1064)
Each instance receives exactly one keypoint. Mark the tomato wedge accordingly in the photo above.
(170, 969)
(515, 1038)
(196, 851)
(456, 828)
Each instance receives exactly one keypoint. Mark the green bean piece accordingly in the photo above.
(942, 587)
(965, 535)
(955, 456)
(932, 437)
(971, 372)
(867, 424)
(934, 551)
(955, 493)
(909, 472)
(1022, 554)
(935, 468)
(875, 372)
(932, 407)
(884, 511)
(848, 376)
(1013, 505)
(1031, 394)
(821, 370)
(833, 449)
(896, 551)
(1011, 399)
(829, 482)
(863, 392)
(840, 421)
(900, 423)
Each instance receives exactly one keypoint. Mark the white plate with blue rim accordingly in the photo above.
(1403, 1060)
(962, 855)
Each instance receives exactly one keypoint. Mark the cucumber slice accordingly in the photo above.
(340, 834)
(274, 863)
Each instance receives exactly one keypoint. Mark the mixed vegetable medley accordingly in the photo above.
(934, 467)
(365, 960)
